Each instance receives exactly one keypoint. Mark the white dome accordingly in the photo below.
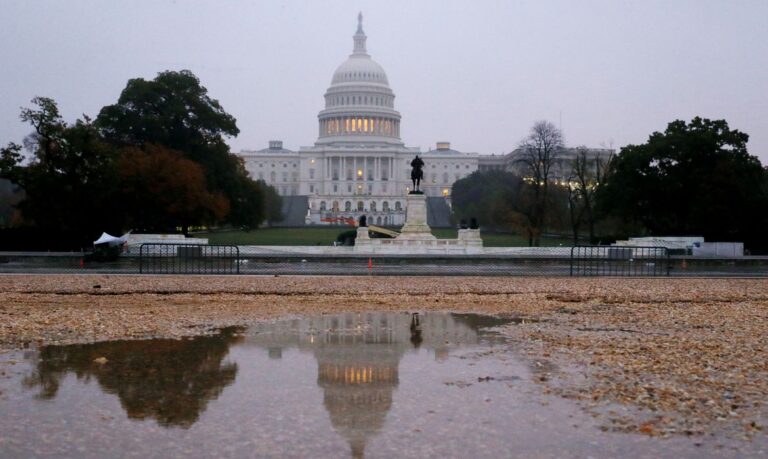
(360, 68)
(359, 104)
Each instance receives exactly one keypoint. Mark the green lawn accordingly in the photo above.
(326, 236)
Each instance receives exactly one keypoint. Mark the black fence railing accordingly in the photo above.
(159, 258)
(619, 261)
(164, 258)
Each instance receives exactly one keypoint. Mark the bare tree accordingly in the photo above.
(584, 179)
(539, 152)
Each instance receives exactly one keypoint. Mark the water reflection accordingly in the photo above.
(168, 380)
(358, 355)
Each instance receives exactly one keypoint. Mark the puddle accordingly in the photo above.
(347, 385)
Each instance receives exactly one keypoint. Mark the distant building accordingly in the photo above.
(561, 169)
(359, 165)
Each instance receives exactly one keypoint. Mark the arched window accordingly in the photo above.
(360, 205)
(272, 176)
(385, 206)
(347, 206)
(378, 220)
(398, 206)
(335, 205)
(322, 206)
(373, 206)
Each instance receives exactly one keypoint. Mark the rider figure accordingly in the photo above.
(416, 173)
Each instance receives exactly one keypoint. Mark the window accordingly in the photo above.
(295, 176)
(349, 188)
(322, 206)
(347, 206)
(373, 206)
(335, 206)
(398, 206)
(311, 188)
(285, 176)
(385, 206)
(383, 187)
(445, 177)
(335, 188)
(434, 178)
(360, 205)
(311, 173)
(272, 177)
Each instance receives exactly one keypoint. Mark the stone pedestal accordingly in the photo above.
(416, 227)
(363, 241)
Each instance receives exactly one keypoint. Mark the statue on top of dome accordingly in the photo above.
(417, 174)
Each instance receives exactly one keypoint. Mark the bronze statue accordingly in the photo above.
(417, 174)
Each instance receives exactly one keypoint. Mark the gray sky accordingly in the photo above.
(475, 73)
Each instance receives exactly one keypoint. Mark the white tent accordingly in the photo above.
(112, 240)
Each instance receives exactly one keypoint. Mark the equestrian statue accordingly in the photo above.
(417, 174)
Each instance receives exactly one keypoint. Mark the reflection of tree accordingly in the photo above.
(169, 380)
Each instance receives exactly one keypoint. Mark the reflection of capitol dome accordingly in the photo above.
(359, 105)
(358, 355)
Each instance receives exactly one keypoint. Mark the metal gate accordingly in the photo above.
(619, 261)
(159, 258)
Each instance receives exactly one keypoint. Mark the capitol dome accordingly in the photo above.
(359, 105)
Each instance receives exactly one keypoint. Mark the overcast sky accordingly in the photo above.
(475, 73)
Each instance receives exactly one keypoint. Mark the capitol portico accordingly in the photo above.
(358, 165)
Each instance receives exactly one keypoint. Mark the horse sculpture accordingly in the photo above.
(417, 174)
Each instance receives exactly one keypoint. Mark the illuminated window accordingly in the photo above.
(359, 173)
(446, 191)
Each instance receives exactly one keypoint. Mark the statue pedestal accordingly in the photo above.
(416, 227)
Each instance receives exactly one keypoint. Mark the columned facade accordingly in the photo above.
(358, 165)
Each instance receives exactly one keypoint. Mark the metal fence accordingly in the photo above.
(157, 258)
(619, 261)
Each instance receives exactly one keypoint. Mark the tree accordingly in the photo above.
(488, 196)
(70, 180)
(162, 190)
(539, 152)
(692, 179)
(174, 110)
(586, 176)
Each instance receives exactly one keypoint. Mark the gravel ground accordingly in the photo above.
(685, 356)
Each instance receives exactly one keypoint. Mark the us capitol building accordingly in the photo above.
(359, 165)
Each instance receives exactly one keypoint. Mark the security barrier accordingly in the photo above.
(619, 261)
(157, 258)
